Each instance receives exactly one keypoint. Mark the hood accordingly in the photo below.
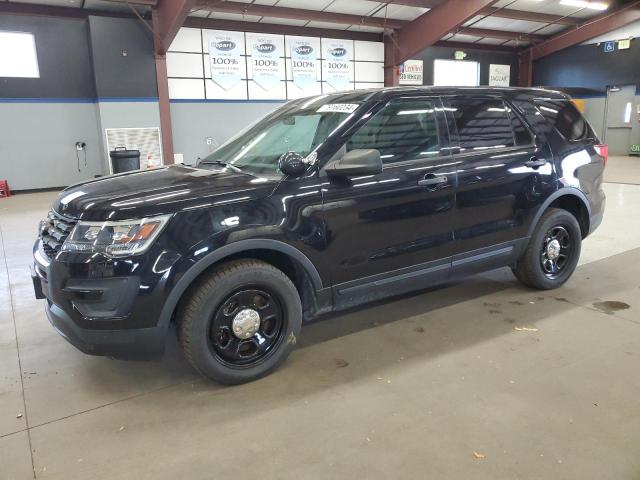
(160, 191)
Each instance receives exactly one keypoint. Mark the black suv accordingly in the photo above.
(327, 203)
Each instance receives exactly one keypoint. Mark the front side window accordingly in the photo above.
(566, 118)
(481, 123)
(401, 131)
(299, 127)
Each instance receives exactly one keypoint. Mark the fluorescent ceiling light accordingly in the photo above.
(585, 4)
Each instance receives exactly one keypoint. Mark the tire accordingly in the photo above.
(535, 267)
(219, 313)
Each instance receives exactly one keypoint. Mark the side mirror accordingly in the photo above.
(356, 162)
(292, 163)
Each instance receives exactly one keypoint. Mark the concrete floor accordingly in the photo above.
(410, 388)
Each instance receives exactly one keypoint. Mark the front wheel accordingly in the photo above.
(552, 253)
(240, 322)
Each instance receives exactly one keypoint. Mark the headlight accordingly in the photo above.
(116, 239)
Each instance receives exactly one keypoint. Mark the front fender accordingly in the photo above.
(189, 269)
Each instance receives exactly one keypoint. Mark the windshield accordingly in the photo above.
(299, 127)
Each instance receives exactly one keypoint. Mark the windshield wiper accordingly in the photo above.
(221, 163)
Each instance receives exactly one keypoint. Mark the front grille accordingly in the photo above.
(55, 230)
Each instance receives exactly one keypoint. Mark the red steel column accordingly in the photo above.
(391, 65)
(165, 109)
(525, 69)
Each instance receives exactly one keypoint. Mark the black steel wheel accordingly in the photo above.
(556, 251)
(552, 253)
(240, 321)
(246, 327)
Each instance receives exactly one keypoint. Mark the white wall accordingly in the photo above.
(629, 31)
(190, 76)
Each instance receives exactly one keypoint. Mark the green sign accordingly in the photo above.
(635, 148)
(459, 55)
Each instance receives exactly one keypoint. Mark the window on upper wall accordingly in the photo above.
(18, 56)
(456, 73)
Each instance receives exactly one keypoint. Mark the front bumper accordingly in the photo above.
(132, 344)
(101, 311)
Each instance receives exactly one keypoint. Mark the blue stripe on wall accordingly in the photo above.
(79, 100)
(47, 100)
(239, 100)
(128, 100)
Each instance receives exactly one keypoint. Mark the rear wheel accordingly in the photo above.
(240, 322)
(552, 253)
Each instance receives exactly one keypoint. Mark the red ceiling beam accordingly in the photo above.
(430, 27)
(168, 17)
(417, 3)
(340, 18)
(497, 12)
(528, 16)
(591, 28)
(298, 14)
(147, 3)
(475, 46)
(259, 27)
(55, 11)
(501, 34)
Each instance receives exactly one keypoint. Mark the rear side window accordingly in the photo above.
(566, 118)
(521, 134)
(482, 123)
(401, 131)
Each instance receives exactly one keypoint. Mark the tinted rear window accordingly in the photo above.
(566, 118)
(482, 123)
(521, 134)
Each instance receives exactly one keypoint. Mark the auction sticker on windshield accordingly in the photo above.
(339, 107)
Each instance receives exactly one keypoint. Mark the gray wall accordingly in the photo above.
(588, 66)
(37, 144)
(64, 59)
(117, 75)
(193, 122)
(85, 86)
(594, 112)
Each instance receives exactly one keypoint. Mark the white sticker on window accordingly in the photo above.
(339, 107)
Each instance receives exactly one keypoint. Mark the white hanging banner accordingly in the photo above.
(339, 72)
(225, 56)
(499, 75)
(303, 63)
(411, 72)
(265, 60)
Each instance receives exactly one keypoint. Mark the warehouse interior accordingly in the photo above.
(481, 378)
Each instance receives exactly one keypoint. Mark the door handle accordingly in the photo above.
(432, 180)
(536, 162)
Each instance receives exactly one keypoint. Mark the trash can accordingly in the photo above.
(123, 160)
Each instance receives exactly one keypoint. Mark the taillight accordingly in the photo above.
(603, 151)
